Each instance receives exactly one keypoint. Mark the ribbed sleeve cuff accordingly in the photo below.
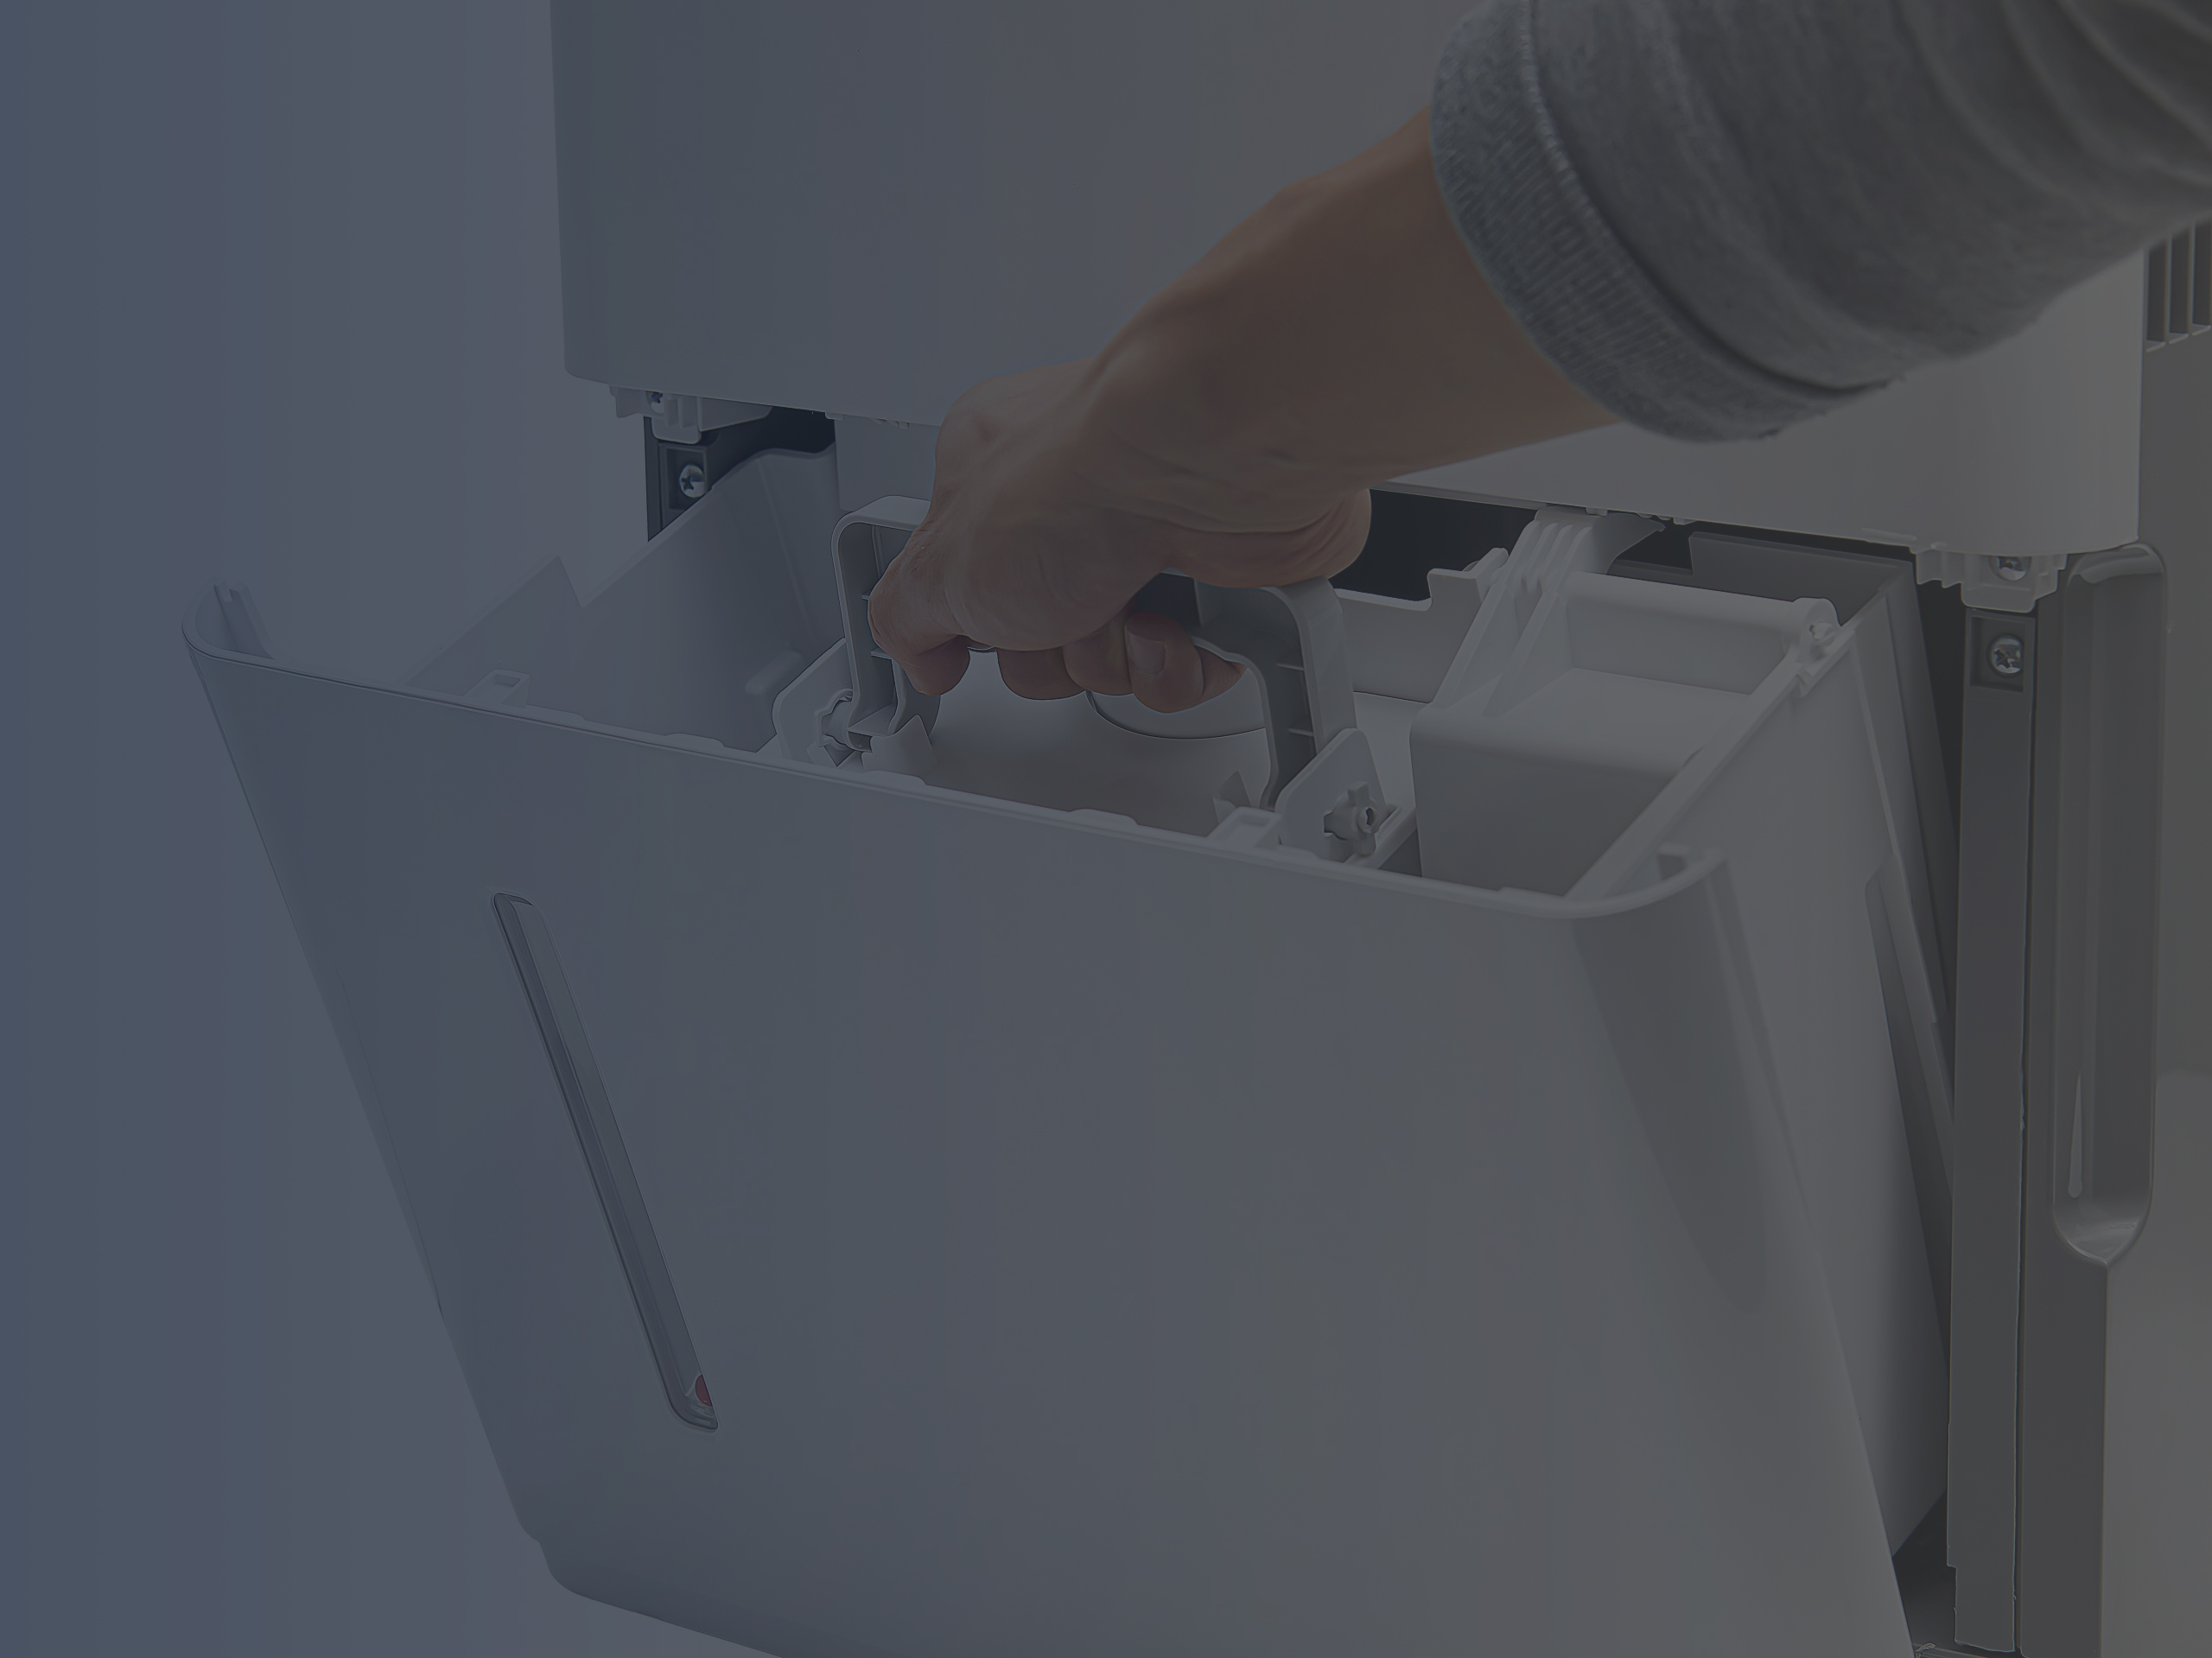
(1556, 265)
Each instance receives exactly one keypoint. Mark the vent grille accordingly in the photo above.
(2177, 286)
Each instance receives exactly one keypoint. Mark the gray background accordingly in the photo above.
(280, 300)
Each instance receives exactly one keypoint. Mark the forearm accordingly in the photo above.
(1722, 217)
(1340, 336)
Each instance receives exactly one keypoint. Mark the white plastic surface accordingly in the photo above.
(1199, 1290)
(1060, 164)
(1616, 686)
(1632, 717)
(1099, 1238)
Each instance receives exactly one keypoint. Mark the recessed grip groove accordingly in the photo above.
(601, 1138)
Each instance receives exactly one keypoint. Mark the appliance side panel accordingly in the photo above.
(2178, 521)
(2091, 1066)
(2158, 1472)
(2157, 1590)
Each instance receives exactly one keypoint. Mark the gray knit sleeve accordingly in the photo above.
(1720, 216)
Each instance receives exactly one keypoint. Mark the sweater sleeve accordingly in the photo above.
(1721, 217)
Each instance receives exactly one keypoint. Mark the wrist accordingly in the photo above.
(1179, 422)
(1293, 364)
(1339, 337)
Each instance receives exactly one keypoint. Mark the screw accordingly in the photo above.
(692, 480)
(2013, 569)
(2007, 655)
(660, 401)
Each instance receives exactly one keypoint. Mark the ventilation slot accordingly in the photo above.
(2177, 286)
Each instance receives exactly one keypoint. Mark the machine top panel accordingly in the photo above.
(864, 208)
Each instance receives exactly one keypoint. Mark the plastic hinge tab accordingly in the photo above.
(1291, 640)
(882, 719)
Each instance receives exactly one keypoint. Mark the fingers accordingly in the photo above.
(937, 669)
(934, 657)
(1038, 675)
(909, 620)
(1166, 675)
(1147, 654)
(1096, 661)
(1166, 671)
(1218, 676)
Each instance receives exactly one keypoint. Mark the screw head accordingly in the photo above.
(659, 401)
(692, 480)
(2007, 656)
(2013, 569)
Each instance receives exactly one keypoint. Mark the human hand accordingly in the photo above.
(1044, 524)
(1340, 337)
